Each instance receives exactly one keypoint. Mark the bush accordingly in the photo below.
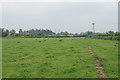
(111, 36)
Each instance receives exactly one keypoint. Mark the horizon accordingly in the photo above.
(59, 32)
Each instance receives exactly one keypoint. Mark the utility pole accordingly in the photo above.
(93, 28)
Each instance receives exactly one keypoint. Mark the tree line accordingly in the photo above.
(45, 33)
(32, 33)
(106, 36)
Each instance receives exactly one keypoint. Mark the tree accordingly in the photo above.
(0, 32)
(86, 33)
(5, 32)
(109, 32)
(89, 32)
(64, 33)
(76, 34)
(12, 32)
(20, 31)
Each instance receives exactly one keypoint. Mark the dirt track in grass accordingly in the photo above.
(98, 65)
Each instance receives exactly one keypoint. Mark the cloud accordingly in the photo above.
(74, 17)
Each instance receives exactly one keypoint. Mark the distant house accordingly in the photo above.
(26, 33)
(22, 33)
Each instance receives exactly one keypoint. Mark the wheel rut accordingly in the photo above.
(98, 65)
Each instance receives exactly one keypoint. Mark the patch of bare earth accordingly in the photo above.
(98, 65)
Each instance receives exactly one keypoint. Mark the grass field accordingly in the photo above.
(57, 57)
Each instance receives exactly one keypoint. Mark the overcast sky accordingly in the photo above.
(75, 17)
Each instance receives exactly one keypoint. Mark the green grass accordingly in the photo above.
(57, 57)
